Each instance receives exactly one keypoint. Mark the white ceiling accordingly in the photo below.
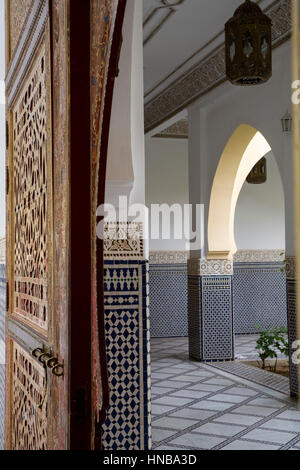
(188, 34)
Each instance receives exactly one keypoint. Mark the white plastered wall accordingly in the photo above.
(260, 213)
(167, 182)
(214, 119)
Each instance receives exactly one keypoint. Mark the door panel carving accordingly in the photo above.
(29, 419)
(29, 387)
(49, 116)
(32, 194)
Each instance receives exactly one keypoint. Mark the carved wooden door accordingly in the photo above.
(49, 365)
(59, 54)
(37, 361)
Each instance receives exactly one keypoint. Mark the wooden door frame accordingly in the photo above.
(83, 425)
(80, 227)
(112, 74)
(73, 415)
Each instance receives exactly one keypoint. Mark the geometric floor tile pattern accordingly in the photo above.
(196, 406)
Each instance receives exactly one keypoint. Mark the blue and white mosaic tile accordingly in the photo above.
(292, 327)
(259, 298)
(259, 293)
(217, 327)
(168, 300)
(127, 426)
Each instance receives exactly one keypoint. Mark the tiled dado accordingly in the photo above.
(210, 310)
(168, 286)
(292, 320)
(127, 324)
(259, 290)
(259, 296)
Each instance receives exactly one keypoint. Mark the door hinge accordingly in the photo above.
(7, 135)
(7, 180)
(7, 297)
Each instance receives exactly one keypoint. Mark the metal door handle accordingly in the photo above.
(49, 361)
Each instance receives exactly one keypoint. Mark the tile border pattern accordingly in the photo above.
(123, 240)
(168, 257)
(242, 256)
(258, 376)
(202, 267)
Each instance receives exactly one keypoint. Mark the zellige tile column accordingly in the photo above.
(127, 325)
(292, 321)
(210, 311)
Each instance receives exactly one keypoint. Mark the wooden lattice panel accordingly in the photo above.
(32, 193)
(18, 11)
(29, 419)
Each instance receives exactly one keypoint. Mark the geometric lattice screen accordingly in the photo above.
(30, 414)
(31, 196)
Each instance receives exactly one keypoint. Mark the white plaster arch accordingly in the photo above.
(215, 117)
(243, 150)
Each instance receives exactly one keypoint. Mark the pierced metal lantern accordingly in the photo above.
(287, 123)
(258, 174)
(248, 41)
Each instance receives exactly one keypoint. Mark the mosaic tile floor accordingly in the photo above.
(197, 406)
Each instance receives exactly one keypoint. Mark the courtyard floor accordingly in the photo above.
(223, 406)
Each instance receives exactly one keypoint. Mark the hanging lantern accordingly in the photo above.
(248, 42)
(258, 175)
(287, 123)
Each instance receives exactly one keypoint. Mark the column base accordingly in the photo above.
(211, 324)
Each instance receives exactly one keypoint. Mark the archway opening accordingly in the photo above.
(259, 281)
(244, 149)
(247, 225)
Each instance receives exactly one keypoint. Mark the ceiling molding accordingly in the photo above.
(168, 9)
(179, 130)
(209, 72)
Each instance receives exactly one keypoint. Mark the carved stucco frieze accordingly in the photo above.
(259, 256)
(202, 267)
(242, 256)
(179, 130)
(169, 257)
(123, 240)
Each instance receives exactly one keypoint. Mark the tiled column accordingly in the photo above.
(127, 324)
(211, 326)
(292, 321)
